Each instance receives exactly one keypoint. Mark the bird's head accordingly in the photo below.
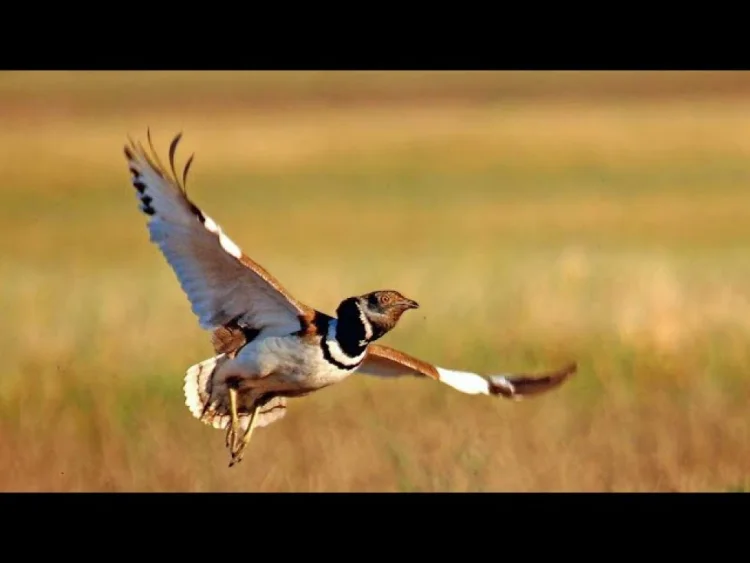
(381, 310)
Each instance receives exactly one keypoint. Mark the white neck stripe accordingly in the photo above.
(365, 322)
(337, 354)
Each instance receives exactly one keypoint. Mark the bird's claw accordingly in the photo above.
(238, 445)
(236, 456)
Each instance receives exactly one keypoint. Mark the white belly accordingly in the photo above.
(288, 361)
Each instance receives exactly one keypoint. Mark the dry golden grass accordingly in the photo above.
(532, 232)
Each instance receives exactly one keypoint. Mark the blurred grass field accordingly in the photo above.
(537, 218)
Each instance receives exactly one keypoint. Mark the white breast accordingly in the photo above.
(288, 359)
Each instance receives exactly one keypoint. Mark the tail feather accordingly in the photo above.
(208, 398)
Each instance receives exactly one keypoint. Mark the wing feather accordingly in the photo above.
(222, 283)
(383, 361)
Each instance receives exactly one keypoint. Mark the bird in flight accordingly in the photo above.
(268, 346)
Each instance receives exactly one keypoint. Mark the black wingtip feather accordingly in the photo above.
(172, 149)
(155, 154)
(130, 149)
(185, 172)
(153, 159)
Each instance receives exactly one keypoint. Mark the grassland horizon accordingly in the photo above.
(533, 229)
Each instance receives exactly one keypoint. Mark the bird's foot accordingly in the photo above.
(230, 442)
(236, 457)
(233, 431)
(238, 448)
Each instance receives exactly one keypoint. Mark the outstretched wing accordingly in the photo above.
(222, 284)
(388, 362)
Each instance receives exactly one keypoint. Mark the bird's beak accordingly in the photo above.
(411, 304)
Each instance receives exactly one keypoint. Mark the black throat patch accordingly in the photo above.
(351, 331)
(350, 336)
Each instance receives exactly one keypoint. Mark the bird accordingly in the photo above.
(268, 346)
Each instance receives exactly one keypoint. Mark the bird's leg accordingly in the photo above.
(237, 454)
(233, 433)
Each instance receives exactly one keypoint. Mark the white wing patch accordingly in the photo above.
(226, 243)
(207, 263)
(388, 362)
(464, 381)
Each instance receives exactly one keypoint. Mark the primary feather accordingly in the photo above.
(221, 282)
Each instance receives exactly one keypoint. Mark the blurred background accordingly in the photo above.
(537, 217)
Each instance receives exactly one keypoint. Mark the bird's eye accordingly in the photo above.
(385, 299)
